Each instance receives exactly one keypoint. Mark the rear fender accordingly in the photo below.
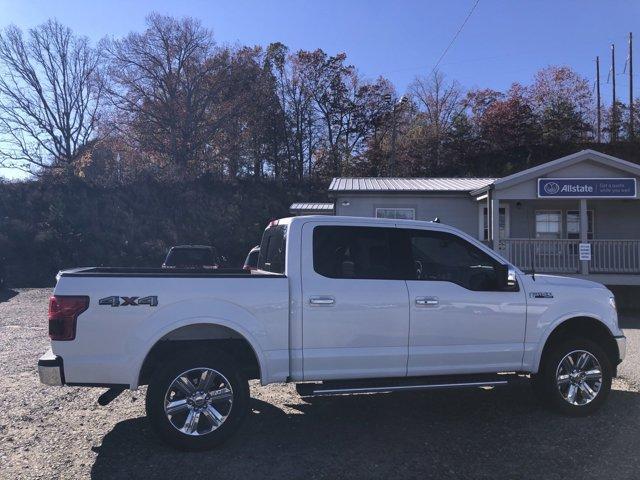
(172, 317)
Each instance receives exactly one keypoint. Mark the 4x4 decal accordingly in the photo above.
(117, 301)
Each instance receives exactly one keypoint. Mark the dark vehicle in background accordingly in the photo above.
(251, 262)
(193, 256)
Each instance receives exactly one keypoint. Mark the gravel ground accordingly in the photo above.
(48, 432)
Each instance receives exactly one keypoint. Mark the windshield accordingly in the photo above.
(190, 257)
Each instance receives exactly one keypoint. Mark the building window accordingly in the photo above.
(397, 213)
(548, 224)
(573, 224)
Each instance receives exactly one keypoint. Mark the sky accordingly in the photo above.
(502, 42)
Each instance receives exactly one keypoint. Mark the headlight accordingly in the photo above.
(612, 302)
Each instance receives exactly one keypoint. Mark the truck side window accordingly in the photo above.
(441, 256)
(357, 252)
(273, 249)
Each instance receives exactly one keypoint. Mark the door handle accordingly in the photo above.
(324, 300)
(427, 301)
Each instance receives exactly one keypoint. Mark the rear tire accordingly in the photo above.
(197, 400)
(574, 377)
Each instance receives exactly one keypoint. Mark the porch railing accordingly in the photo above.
(561, 256)
(615, 256)
(548, 255)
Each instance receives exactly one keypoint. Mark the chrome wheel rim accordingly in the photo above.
(198, 401)
(579, 377)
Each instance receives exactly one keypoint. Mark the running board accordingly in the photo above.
(404, 384)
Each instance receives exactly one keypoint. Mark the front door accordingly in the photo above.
(356, 307)
(503, 228)
(460, 321)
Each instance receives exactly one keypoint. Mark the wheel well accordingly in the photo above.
(202, 336)
(584, 327)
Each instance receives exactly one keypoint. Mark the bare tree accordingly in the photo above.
(50, 94)
(171, 87)
(440, 103)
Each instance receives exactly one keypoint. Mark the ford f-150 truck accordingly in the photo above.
(338, 305)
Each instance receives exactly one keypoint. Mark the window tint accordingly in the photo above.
(273, 249)
(358, 252)
(440, 256)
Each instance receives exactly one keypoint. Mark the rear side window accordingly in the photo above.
(273, 249)
(358, 252)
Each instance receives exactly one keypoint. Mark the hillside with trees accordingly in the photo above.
(163, 136)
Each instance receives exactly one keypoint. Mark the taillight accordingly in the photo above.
(63, 313)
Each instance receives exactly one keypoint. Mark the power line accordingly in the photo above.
(455, 36)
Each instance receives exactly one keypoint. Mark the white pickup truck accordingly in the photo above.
(337, 305)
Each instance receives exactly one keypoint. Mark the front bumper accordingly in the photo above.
(50, 369)
(622, 346)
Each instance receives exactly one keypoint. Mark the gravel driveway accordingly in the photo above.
(48, 432)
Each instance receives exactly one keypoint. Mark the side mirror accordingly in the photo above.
(506, 277)
(512, 281)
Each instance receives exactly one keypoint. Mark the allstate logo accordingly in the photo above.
(551, 188)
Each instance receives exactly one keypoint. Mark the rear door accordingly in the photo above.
(461, 321)
(356, 307)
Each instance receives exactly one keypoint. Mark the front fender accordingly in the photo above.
(550, 328)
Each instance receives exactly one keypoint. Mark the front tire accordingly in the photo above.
(197, 400)
(575, 377)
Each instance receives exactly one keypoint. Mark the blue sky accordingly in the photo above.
(504, 41)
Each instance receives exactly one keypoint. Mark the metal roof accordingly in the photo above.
(549, 167)
(311, 207)
(386, 184)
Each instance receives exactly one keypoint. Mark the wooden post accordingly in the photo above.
(495, 221)
(488, 224)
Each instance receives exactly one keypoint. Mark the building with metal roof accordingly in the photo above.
(576, 215)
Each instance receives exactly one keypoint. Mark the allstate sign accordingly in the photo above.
(587, 187)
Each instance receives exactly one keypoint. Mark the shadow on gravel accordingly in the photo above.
(453, 434)
(629, 320)
(7, 294)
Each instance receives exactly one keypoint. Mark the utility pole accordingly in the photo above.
(598, 97)
(614, 109)
(394, 133)
(394, 129)
(631, 132)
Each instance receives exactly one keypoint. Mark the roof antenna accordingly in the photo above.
(531, 245)
(436, 220)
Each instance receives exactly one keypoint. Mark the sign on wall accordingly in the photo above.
(587, 187)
